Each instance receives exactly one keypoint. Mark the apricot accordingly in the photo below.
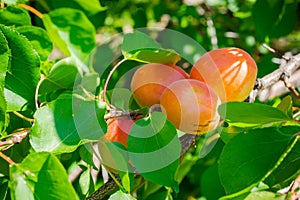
(230, 72)
(191, 106)
(118, 130)
(149, 82)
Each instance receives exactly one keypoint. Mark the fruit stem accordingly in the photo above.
(108, 78)
(31, 9)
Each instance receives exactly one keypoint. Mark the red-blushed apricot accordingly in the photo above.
(230, 72)
(118, 129)
(149, 82)
(191, 106)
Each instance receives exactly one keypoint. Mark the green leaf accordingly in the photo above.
(86, 154)
(40, 176)
(153, 55)
(90, 7)
(120, 195)
(4, 57)
(264, 195)
(286, 21)
(86, 183)
(210, 183)
(66, 123)
(127, 180)
(39, 39)
(90, 81)
(14, 2)
(247, 158)
(3, 187)
(156, 157)
(140, 47)
(71, 31)
(138, 40)
(19, 188)
(14, 16)
(23, 72)
(249, 115)
(286, 106)
(62, 76)
(265, 13)
(288, 170)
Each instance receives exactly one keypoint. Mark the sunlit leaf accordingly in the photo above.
(66, 123)
(71, 31)
(120, 195)
(14, 16)
(23, 71)
(246, 115)
(157, 156)
(39, 39)
(41, 176)
(4, 57)
(141, 47)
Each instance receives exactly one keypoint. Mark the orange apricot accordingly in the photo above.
(118, 130)
(230, 72)
(149, 82)
(191, 106)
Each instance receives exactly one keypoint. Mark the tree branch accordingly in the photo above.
(283, 73)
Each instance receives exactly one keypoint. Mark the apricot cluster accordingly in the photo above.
(190, 101)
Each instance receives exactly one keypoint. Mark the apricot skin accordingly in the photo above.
(191, 106)
(149, 82)
(118, 130)
(231, 72)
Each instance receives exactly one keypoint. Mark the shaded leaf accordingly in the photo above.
(3, 187)
(247, 158)
(71, 31)
(286, 21)
(288, 169)
(157, 156)
(265, 14)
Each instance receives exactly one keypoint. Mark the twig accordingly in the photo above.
(15, 138)
(31, 9)
(109, 77)
(276, 52)
(7, 159)
(270, 79)
(104, 190)
(23, 117)
(290, 87)
(295, 190)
